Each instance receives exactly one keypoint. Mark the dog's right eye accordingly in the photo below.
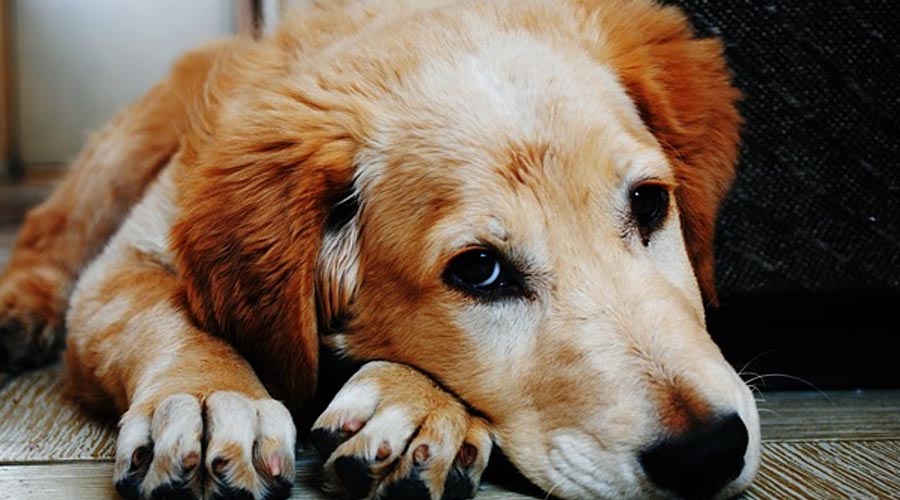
(649, 208)
(483, 274)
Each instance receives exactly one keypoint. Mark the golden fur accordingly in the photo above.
(438, 127)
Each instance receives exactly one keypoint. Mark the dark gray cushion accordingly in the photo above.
(816, 205)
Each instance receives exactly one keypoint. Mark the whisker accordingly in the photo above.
(755, 358)
(794, 378)
(754, 378)
(550, 491)
(755, 390)
(769, 411)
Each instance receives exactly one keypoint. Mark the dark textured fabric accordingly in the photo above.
(816, 205)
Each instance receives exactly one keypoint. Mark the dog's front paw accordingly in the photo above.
(227, 447)
(32, 300)
(392, 433)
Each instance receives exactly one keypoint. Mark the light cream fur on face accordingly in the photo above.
(631, 314)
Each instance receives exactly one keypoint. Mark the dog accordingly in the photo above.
(503, 211)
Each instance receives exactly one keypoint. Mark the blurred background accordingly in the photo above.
(808, 241)
(70, 65)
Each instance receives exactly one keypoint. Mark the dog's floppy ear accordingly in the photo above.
(256, 195)
(683, 91)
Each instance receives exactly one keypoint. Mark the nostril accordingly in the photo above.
(698, 463)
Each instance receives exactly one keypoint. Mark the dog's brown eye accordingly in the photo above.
(482, 274)
(649, 207)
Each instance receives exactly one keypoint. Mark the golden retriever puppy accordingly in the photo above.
(503, 210)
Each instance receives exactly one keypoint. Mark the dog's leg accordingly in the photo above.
(61, 235)
(391, 432)
(197, 421)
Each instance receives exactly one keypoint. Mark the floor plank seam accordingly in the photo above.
(833, 440)
(64, 461)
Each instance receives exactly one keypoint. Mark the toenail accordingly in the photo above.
(190, 461)
(421, 454)
(274, 464)
(140, 457)
(384, 451)
(219, 464)
(352, 426)
(467, 455)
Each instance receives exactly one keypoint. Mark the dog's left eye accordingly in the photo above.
(483, 274)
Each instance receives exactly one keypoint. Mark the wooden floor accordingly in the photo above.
(836, 445)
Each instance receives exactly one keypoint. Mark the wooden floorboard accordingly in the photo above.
(792, 470)
(862, 415)
(92, 481)
(829, 470)
(40, 424)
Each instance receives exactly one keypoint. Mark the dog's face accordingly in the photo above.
(519, 238)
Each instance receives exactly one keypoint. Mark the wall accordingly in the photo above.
(80, 61)
(4, 92)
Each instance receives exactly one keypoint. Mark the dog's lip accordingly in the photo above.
(503, 472)
(567, 469)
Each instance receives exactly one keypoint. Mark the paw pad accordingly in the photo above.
(354, 475)
(408, 488)
(421, 454)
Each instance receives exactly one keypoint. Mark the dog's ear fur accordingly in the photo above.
(338, 267)
(257, 192)
(683, 91)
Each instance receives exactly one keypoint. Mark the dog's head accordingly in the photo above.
(521, 204)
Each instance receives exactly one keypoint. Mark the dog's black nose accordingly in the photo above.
(698, 463)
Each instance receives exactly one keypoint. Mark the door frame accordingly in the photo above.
(10, 161)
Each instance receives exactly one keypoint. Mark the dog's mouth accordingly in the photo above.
(715, 457)
(707, 462)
